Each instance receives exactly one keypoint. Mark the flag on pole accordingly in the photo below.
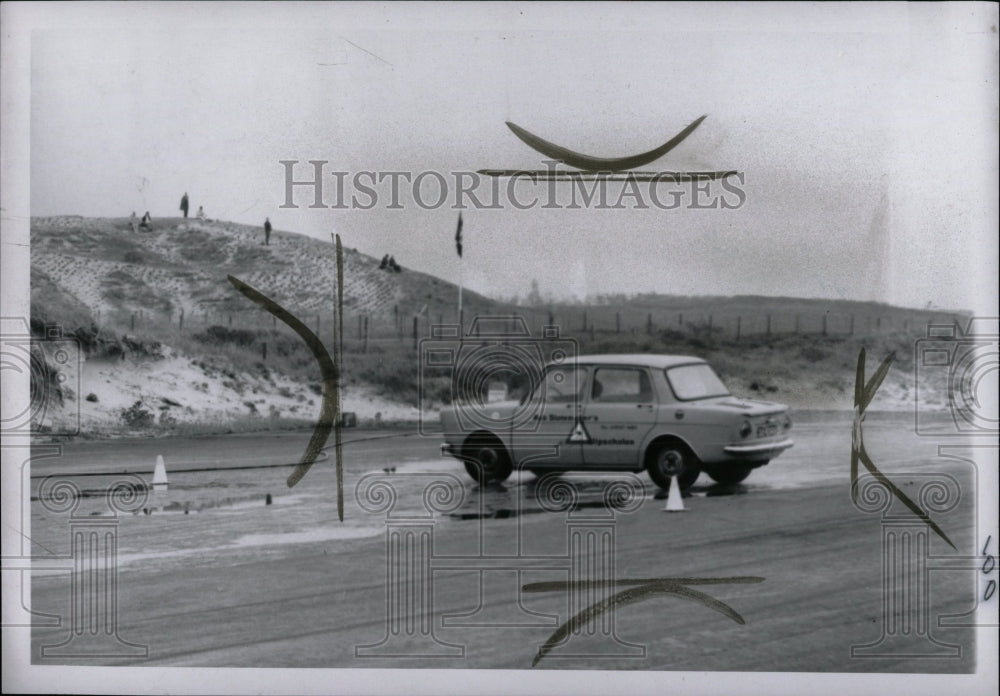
(458, 236)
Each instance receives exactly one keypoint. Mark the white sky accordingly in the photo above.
(868, 135)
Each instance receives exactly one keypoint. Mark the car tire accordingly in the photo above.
(486, 459)
(728, 474)
(673, 458)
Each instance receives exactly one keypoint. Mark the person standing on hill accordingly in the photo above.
(184, 204)
(267, 231)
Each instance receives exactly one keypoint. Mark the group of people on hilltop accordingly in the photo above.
(389, 264)
(147, 220)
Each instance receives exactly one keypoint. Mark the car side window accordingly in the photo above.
(564, 384)
(622, 385)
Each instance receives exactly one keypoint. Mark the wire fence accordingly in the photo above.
(364, 331)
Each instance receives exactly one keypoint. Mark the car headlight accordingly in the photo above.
(746, 429)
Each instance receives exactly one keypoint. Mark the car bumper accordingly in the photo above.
(763, 450)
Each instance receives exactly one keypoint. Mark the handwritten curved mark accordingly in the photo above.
(330, 373)
(642, 589)
(863, 396)
(593, 164)
(536, 175)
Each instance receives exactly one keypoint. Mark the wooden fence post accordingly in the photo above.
(649, 323)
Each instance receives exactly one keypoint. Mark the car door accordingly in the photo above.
(546, 440)
(619, 414)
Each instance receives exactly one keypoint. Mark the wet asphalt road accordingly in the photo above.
(427, 568)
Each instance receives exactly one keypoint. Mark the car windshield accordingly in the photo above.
(695, 382)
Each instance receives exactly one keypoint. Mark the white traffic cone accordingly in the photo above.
(674, 501)
(160, 475)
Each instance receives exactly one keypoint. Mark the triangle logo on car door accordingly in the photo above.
(579, 433)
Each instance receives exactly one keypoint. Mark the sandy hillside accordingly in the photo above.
(166, 341)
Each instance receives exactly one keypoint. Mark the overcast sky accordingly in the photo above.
(867, 135)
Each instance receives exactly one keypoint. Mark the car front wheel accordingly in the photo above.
(486, 459)
(673, 459)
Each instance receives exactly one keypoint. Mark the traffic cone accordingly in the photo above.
(674, 501)
(160, 475)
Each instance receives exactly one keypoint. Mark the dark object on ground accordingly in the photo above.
(184, 204)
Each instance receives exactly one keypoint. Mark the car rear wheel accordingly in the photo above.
(728, 473)
(486, 459)
(673, 459)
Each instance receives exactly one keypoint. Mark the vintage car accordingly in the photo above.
(670, 415)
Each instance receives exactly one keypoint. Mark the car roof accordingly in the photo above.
(653, 360)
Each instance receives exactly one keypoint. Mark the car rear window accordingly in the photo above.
(695, 382)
